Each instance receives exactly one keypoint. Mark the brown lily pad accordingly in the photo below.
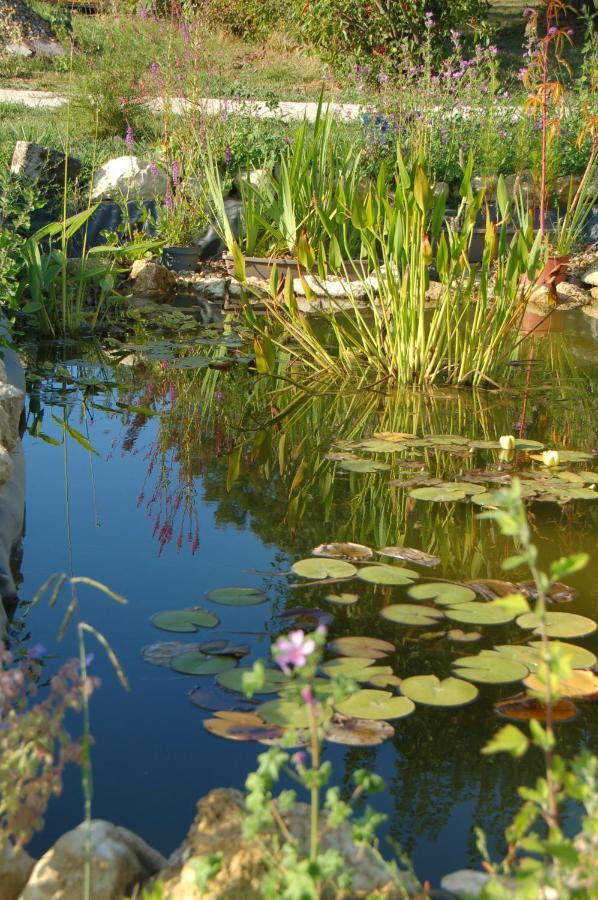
(218, 699)
(242, 726)
(522, 708)
(358, 732)
(163, 652)
(306, 617)
(410, 554)
(349, 551)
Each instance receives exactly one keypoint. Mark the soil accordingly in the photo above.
(19, 23)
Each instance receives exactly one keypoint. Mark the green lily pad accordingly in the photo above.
(318, 568)
(233, 680)
(581, 493)
(485, 445)
(409, 614)
(354, 732)
(236, 596)
(363, 466)
(468, 487)
(349, 666)
(579, 657)
(490, 667)
(446, 439)
(589, 477)
(525, 444)
(431, 691)
(480, 614)
(161, 654)
(377, 445)
(194, 663)
(521, 653)
(443, 593)
(559, 625)
(411, 555)
(485, 499)
(573, 456)
(290, 713)
(437, 494)
(373, 704)
(347, 551)
(343, 599)
(387, 575)
(362, 647)
(185, 620)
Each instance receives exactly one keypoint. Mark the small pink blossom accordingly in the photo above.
(292, 652)
(307, 695)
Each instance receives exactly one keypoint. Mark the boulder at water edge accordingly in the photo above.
(15, 869)
(119, 861)
(151, 279)
(126, 177)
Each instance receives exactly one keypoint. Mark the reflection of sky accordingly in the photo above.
(152, 758)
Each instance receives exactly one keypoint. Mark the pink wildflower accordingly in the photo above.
(292, 652)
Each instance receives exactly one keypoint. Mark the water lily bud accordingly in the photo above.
(550, 457)
(507, 441)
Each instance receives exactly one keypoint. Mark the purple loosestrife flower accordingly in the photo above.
(307, 695)
(168, 201)
(293, 651)
(228, 156)
(153, 168)
(130, 139)
(176, 172)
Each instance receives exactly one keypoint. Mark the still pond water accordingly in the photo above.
(163, 514)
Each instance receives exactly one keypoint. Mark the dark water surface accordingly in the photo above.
(151, 517)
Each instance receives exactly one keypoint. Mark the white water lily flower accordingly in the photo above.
(550, 457)
(507, 441)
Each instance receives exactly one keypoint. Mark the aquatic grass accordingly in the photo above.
(469, 334)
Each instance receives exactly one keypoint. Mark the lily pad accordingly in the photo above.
(485, 445)
(523, 708)
(559, 625)
(431, 691)
(579, 657)
(349, 666)
(485, 499)
(194, 663)
(343, 599)
(242, 726)
(363, 466)
(437, 494)
(443, 593)
(290, 713)
(344, 551)
(389, 575)
(557, 592)
(411, 555)
(236, 596)
(490, 667)
(480, 614)
(446, 439)
(233, 680)
(581, 685)
(395, 437)
(318, 568)
(490, 588)
(362, 647)
(409, 614)
(185, 620)
(354, 732)
(161, 654)
(306, 617)
(213, 697)
(373, 704)
(463, 637)
(525, 444)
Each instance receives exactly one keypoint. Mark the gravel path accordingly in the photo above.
(257, 108)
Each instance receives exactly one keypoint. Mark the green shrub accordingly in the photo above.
(381, 32)
(248, 20)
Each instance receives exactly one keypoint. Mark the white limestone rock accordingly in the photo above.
(329, 287)
(128, 178)
(151, 279)
(465, 883)
(590, 276)
(119, 861)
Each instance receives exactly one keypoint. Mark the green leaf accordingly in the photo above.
(76, 435)
(567, 565)
(408, 614)
(373, 704)
(508, 740)
(443, 593)
(490, 667)
(559, 625)
(196, 663)
(319, 568)
(236, 596)
(480, 614)
(184, 620)
(388, 575)
(431, 691)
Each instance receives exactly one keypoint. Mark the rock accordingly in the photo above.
(218, 829)
(34, 162)
(257, 288)
(594, 293)
(591, 310)
(17, 50)
(540, 300)
(15, 868)
(256, 178)
(152, 279)
(119, 861)
(571, 296)
(488, 182)
(129, 178)
(590, 276)
(465, 883)
(523, 182)
(441, 187)
(211, 288)
(47, 49)
(565, 184)
(329, 287)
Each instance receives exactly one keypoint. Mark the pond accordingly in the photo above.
(205, 475)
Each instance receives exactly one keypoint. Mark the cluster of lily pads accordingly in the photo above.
(550, 482)
(382, 695)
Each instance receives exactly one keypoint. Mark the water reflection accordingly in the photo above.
(214, 455)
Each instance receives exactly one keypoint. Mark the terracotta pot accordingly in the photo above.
(541, 323)
(555, 271)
